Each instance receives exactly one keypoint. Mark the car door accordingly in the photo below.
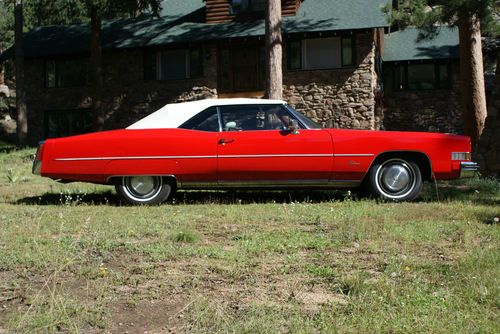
(255, 148)
(197, 159)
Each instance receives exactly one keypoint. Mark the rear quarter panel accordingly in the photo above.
(99, 156)
(437, 147)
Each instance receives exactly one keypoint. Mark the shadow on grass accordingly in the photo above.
(445, 193)
(7, 149)
(256, 196)
(191, 197)
(485, 193)
(100, 198)
(448, 193)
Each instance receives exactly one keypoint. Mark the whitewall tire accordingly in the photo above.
(396, 180)
(143, 190)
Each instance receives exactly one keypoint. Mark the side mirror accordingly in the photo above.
(293, 126)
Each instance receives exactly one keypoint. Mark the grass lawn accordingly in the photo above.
(72, 259)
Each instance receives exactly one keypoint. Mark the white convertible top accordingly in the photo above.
(175, 114)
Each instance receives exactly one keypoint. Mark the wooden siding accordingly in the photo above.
(290, 7)
(218, 11)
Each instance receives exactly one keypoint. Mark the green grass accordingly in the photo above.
(73, 259)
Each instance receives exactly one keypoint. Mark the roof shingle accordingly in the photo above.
(406, 45)
(182, 21)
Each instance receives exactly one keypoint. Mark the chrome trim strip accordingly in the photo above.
(276, 156)
(162, 175)
(272, 184)
(294, 155)
(214, 156)
(354, 155)
(139, 158)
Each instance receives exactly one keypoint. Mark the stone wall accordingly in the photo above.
(341, 98)
(432, 110)
(127, 96)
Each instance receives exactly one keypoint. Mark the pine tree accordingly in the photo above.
(97, 11)
(274, 72)
(55, 12)
(22, 117)
(470, 16)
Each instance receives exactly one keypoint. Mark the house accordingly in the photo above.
(421, 82)
(342, 66)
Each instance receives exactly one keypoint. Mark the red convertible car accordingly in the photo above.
(250, 143)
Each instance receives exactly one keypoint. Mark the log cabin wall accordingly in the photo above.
(219, 11)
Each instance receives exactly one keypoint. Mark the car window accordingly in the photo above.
(255, 117)
(309, 123)
(207, 120)
(240, 117)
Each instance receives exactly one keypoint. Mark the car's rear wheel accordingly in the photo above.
(144, 190)
(396, 179)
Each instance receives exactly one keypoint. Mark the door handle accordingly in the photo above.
(226, 140)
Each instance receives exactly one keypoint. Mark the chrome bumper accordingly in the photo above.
(468, 169)
(37, 167)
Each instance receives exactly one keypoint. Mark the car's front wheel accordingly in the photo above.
(144, 190)
(396, 179)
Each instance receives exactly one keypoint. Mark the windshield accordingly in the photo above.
(309, 123)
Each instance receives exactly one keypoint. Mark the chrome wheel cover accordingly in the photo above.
(395, 178)
(142, 188)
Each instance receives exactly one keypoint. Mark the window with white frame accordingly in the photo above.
(179, 64)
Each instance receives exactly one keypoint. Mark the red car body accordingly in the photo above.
(254, 158)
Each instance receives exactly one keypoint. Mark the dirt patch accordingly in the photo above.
(148, 316)
(11, 296)
(314, 300)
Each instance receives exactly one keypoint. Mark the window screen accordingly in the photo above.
(62, 123)
(173, 65)
(347, 51)
(294, 55)
(245, 6)
(67, 73)
(321, 53)
(421, 76)
(180, 64)
(444, 78)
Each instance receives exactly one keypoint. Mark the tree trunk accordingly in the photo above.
(138, 9)
(96, 68)
(274, 53)
(497, 71)
(22, 121)
(472, 77)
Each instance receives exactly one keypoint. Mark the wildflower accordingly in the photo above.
(407, 268)
(103, 271)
